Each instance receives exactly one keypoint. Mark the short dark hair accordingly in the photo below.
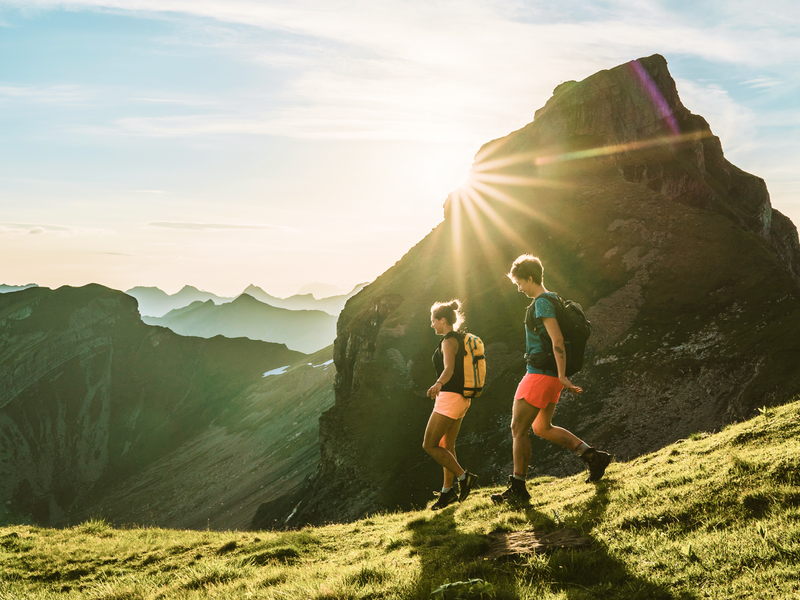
(450, 311)
(527, 266)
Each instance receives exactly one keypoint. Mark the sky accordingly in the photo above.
(223, 143)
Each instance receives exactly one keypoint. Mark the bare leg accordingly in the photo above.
(438, 426)
(448, 442)
(525, 416)
(522, 418)
(543, 427)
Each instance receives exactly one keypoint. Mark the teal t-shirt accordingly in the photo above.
(533, 343)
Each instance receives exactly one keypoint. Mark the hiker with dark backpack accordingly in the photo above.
(547, 375)
(451, 404)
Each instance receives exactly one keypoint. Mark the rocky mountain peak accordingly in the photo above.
(632, 116)
(635, 101)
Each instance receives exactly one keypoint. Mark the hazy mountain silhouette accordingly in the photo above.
(321, 290)
(332, 305)
(304, 330)
(4, 289)
(154, 302)
(690, 278)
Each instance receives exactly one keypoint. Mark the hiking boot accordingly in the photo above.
(466, 486)
(446, 498)
(516, 492)
(597, 461)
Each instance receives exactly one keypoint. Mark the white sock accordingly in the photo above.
(582, 448)
(463, 476)
(445, 490)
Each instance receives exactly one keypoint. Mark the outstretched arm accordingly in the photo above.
(554, 331)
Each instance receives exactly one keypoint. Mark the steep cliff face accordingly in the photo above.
(689, 275)
(90, 395)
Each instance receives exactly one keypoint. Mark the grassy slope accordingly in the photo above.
(712, 516)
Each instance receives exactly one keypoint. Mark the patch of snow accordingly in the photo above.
(325, 364)
(278, 371)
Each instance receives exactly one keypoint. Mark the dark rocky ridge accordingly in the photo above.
(90, 395)
(689, 275)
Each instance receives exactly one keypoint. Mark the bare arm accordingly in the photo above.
(554, 331)
(449, 349)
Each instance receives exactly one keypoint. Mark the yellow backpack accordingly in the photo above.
(474, 366)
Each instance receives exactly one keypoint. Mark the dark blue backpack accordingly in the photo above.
(575, 328)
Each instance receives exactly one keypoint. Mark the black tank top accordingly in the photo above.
(456, 382)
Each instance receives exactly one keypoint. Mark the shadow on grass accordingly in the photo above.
(447, 555)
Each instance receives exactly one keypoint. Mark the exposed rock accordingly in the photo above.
(356, 344)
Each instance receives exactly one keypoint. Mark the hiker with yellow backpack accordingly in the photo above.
(461, 367)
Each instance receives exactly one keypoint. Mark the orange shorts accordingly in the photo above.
(451, 405)
(539, 390)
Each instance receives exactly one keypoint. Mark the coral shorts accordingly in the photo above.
(451, 405)
(539, 390)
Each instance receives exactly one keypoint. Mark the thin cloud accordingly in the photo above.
(48, 229)
(733, 123)
(55, 94)
(139, 255)
(180, 100)
(208, 226)
(762, 82)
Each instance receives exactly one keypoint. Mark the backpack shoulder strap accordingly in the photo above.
(459, 337)
(530, 316)
(556, 300)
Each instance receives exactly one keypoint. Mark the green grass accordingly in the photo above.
(714, 516)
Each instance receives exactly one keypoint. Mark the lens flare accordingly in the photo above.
(659, 102)
(623, 148)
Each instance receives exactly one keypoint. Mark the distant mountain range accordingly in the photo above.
(332, 305)
(302, 322)
(322, 290)
(154, 302)
(303, 330)
(15, 288)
